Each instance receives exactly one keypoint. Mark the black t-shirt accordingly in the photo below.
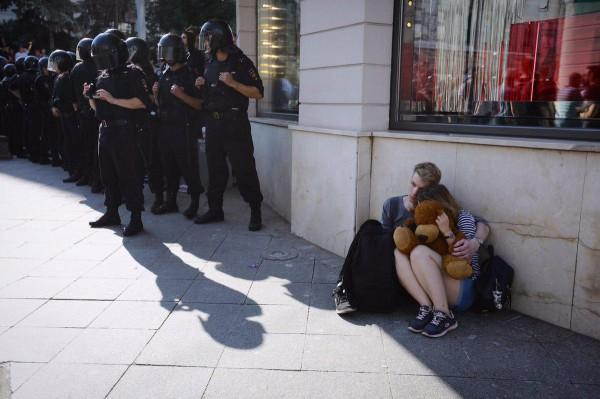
(171, 107)
(63, 96)
(220, 97)
(121, 83)
(195, 61)
(83, 72)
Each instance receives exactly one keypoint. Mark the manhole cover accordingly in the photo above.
(279, 254)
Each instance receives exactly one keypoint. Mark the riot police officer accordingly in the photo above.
(139, 57)
(44, 84)
(85, 72)
(230, 79)
(13, 111)
(119, 91)
(63, 108)
(178, 102)
(31, 111)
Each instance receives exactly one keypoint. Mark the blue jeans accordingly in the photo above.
(466, 295)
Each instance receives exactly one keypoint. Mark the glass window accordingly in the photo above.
(461, 65)
(278, 57)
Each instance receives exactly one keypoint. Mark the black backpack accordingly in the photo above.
(369, 271)
(493, 287)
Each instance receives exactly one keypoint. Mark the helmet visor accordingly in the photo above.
(167, 54)
(106, 61)
(53, 66)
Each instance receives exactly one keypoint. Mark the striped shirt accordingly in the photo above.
(467, 224)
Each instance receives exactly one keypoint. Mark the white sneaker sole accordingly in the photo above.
(442, 333)
(345, 311)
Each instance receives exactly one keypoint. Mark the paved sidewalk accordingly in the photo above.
(188, 311)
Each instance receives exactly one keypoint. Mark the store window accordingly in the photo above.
(482, 66)
(278, 57)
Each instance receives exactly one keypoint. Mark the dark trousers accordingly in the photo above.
(121, 167)
(71, 141)
(14, 126)
(33, 130)
(48, 134)
(88, 130)
(229, 137)
(179, 154)
(152, 161)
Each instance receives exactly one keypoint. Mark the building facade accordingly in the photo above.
(503, 95)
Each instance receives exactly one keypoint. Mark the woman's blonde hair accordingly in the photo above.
(439, 193)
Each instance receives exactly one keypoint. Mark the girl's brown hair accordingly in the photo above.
(439, 193)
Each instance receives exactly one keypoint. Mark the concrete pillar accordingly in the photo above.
(345, 63)
(345, 69)
(140, 21)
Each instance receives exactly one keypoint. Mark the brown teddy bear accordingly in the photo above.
(422, 230)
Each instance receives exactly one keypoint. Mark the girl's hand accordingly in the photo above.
(443, 223)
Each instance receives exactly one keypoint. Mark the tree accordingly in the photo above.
(165, 16)
(51, 17)
(102, 15)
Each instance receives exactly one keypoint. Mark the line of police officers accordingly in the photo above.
(109, 120)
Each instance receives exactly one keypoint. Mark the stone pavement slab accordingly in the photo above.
(60, 381)
(14, 310)
(205, 311)
(59, 313)
(160, 382)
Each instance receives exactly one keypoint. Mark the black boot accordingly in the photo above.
(96, 188)
(135, 225)
(158, 201)
(82, 181)
(192, 210)
(110, 218)
(72, 178)
(168, 207)
(211, 216)
(255, 218)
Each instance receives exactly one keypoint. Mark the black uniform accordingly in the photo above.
(13, 116)
(228, 130)
(147, 121)
(85, 72)
(48, 141)
(177, 137)
(121, 164)
(195, 61)
(31, 114)
(63, 98)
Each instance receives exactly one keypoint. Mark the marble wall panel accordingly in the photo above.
(273, 154)
(324, 176)
(586, 298)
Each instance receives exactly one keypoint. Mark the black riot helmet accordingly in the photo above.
(116, 32)
(109, 52)
(171, 49)
(43, 64)
(20, 64)
(59, 61)
(31, 63)
(84, 49)
(138, 50)
(9, 70)
(216, 35)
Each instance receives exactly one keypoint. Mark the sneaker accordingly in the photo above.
(421, 320)
(342, 303)
(440, 324)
